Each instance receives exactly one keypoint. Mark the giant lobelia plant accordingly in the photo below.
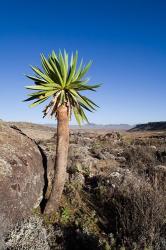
(61, 81)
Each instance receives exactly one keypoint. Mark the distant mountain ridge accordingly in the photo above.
(117, 127)
(150, 126)
(99, 126)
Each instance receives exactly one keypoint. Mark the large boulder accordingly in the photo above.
(21, 176)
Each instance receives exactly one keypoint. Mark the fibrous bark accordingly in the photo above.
(61, 159)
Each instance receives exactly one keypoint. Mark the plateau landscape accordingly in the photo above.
(114, 193)
(83, 125)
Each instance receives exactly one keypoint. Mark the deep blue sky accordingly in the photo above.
(126, 39)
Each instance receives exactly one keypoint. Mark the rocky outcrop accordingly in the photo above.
(21, 176)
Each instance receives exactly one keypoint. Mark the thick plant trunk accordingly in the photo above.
(61, 159)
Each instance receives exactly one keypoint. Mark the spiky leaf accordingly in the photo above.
(62, 79)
